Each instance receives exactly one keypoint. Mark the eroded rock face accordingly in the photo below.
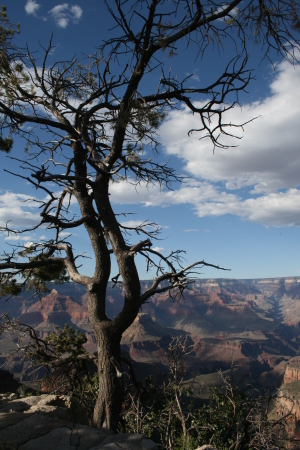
(55, 308)
(254, 323)
(292, 372)
(287, 404)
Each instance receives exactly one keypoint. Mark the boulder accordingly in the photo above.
(206, 447)
(59, 406)
(56, 422)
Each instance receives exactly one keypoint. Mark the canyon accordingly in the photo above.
(250, 326)
(247, 329)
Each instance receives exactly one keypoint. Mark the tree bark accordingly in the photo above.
(109, 402)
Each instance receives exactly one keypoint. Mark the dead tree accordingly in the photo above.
(93, 119)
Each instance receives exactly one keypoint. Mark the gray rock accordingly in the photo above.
(5, 395)
(62, 407)
(147, 444)
(206, 447)
(49, 422)
(121, 441)
(18, 433)
(57, 439)
(20, 404)
(88, 436)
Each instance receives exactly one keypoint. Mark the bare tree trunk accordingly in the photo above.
(109, 402)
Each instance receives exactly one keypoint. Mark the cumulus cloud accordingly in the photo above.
(159, 249)
(259, 179)
(267, 157)
(64, 234)
(194, 192)
(147, 226)
(272, 209)
(64, 14)
(18, 209)
(193, 76)
(32, 7)
(76, 11)
(17, 238)
(131, 223)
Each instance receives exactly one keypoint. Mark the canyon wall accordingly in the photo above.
(287, 404)
(249, 323)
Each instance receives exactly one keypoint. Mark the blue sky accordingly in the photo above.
(238, 207)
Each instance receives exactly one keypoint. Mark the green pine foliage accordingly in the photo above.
(9, 286)
(7, 31)
(62, 342)
(68, 373)
(6, 144)
(39, 277)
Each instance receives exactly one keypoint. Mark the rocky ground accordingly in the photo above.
(52, 422)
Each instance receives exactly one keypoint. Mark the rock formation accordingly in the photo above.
(250, 323)
(292, 372)
(287, 403)
(52, 422)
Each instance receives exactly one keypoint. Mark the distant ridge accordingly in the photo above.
(253, 323)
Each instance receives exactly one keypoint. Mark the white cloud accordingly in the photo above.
(32, 7)
(268, 156)
(193, 76)
(64, 14)
(258, 180)
(76, 11)
(17, 238)
(147, 226)
(64, 234)
(159, 249)
(17, 210)
(131, 223)
(193, 192)
(272, 209)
